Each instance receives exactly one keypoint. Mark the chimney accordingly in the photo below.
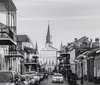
(91, 43)
(75, 39)
(97, 40)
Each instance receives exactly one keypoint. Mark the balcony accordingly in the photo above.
(14, 54)
(7, 36)
(31, 62)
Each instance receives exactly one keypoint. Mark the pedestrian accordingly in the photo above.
(73, 79)
(68, 76)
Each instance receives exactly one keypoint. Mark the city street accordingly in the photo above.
(48, 81)
(59, 38)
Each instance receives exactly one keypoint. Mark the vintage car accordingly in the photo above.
(10, 78)
(28, 79)
(57, 77)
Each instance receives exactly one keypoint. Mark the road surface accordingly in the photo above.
(48, 81)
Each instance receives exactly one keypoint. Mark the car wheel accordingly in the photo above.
(37, 83)
(52, 81)
(62, 82)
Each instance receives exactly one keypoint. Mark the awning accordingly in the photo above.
(35, 56)
(29, 50)
(94, 52)
(65, 55)
(83, 55)
(59, 57)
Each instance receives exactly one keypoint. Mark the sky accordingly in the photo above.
(68, 19)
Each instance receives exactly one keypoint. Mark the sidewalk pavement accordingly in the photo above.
(86, 83)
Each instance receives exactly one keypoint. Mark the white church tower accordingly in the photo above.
(48, 53)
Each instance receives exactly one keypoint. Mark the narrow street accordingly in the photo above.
(49, 37)
(48, 81)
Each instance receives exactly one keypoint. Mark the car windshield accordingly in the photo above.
(32, 72)
(5, 76)
(28, 76)
(57, 74)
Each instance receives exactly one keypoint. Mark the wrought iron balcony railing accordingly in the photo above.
(28, 61)
(6, 32)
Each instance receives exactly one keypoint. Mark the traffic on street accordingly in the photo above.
(48, 81)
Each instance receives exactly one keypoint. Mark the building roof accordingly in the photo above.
(49, 48)
(2, 25)
(22, 38)
(29, 50)
(6, 5)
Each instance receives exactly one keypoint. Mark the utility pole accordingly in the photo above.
(82, 70)
(56, 62)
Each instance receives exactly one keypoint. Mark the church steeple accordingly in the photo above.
(48, 37)
(61, 46)
(36, 49)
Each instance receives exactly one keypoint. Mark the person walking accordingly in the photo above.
(69, 75)
(73, 79)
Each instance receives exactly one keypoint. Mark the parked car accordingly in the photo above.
(46, 75)
(38, 76)
(28, 79)
(57, 77)
(41, 76)
(24, 80)
(35, 76)
(10, 78)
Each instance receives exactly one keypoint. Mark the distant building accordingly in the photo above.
(48, 54)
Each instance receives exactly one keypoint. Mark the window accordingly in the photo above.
(52, 62)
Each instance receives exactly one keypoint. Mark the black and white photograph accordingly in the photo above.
(49, 42)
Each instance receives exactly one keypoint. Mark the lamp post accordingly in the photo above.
(56, 62)
(81, 61)
(82, 70)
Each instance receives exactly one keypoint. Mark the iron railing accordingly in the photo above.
(6, 32)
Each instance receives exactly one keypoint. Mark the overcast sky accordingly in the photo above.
(68, 19)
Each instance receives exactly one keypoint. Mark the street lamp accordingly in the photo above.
(76, 61)
(81, 61)
(82, 69)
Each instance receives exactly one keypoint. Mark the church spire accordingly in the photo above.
(36, 48)
(61, 46)
(48, 37)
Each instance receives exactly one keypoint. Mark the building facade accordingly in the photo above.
(8, 34)
(48, 55)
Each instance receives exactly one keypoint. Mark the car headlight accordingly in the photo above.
(25, 82)
(29, 81)
(32, 80)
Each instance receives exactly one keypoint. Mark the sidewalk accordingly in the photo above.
(86, 83)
